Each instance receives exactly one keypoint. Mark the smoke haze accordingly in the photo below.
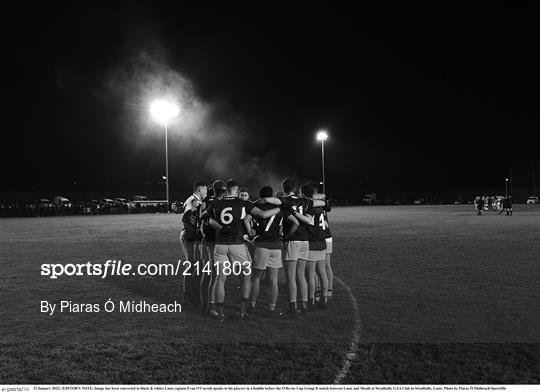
(206, 141)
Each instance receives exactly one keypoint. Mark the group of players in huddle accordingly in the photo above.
(230, 235)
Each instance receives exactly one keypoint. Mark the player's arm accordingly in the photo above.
(248, 226)
(215, 224)
(204, 211)
(319, 203)
(292, 228)
(307, 219)
(269, 200)
(257, 212)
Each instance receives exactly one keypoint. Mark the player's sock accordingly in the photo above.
(252, 304)
(243, 305)
(318, 294)
(330, 293)
(292, 307)
(219, 307)
(272, 307)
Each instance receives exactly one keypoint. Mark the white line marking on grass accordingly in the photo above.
(353, 348)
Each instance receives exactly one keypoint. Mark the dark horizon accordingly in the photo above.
(412, 98)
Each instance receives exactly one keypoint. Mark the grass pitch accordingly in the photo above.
(444, 296)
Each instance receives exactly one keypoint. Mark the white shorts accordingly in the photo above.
(294, 250)
(317, 255)
(231, 252)
(263, 258)
(329, 245)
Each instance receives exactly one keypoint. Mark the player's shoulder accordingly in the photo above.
(264, 206)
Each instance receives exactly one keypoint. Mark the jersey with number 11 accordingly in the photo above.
(230, 213)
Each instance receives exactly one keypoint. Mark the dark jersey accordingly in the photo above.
(301, 205)
(268, 229)
(316, 231)
(327, 232)
(230, 213)
(209, 232)
(190, 232)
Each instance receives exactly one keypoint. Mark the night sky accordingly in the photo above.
(424, 98)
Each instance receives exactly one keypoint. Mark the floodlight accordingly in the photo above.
(322, 135)
(162, 111)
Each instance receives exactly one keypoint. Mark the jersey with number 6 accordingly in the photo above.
(268, 229)
(230, 213)
(317, 231)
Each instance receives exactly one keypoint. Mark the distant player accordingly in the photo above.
(243, 194)
(317, 250)
(479, 204)
(230, 253)
(191, 243)
(208, 292)
(507, 205)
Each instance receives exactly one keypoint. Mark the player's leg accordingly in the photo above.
(259, 265)
(311, 281)
(318, 292)
(321, 270)
(290, 255)
(285, 264)
(302, 283)
(239, 254)
(328, 264)
(274, 264)
(255, 288)
(222, 263)
(206, 278)
(196, 275)
(301, 273)
(188, 250)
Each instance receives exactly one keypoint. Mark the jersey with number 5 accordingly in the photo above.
(268, 229)
(230, 213)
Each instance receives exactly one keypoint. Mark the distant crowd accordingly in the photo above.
(45, 207)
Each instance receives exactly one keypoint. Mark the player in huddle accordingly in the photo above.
(317, 249)
(228, 217)
(267, 253)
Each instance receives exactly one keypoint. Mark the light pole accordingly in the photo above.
(506, 183)
(163, 111)
(322, 136)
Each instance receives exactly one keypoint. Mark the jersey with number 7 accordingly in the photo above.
(268, 229)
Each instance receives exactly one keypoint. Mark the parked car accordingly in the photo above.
(370, 198)
(61, 202)
(120, 202)
(45, 203)
(95, 206)
(533, 200)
